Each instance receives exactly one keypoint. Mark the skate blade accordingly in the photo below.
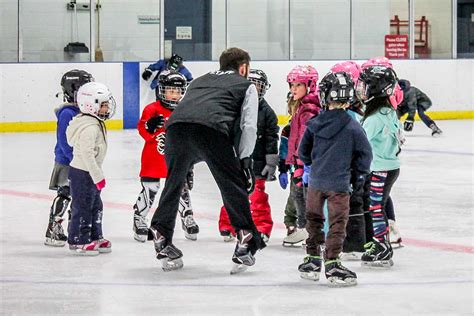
(238, 268)
(313, 276)
(228, 238)
(90, 253)
(171, 265)
(192, 237)
(105, 250)
(397, 245)
(140, 238)
(384, 264)
(54, 243)
(338, 282)
(298, 244)
(350, 256)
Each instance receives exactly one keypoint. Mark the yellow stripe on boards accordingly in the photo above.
(444, 115)
(15, 127)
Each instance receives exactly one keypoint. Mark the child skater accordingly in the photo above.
(265, 161)
(88, 137)
(332, 145)
(303, 106)
(380, 121)
(71, 81)
(171, 88)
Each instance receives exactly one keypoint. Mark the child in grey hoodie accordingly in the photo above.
(88, 137)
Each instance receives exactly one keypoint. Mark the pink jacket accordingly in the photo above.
(308, 109)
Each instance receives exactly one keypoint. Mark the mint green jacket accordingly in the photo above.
(381, 129)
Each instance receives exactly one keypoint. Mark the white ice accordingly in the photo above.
(433, 273)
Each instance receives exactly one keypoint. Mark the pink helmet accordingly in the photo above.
(350, 67)
(304, 74)
(378, 61)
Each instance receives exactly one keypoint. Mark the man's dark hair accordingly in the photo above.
(232, 58)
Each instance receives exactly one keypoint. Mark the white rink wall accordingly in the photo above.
(27, 91)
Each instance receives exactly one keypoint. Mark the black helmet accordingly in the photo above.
(72, 81)
(170, 80)
(175, 62)
(259, 78)
(377, 81)
(336, 87)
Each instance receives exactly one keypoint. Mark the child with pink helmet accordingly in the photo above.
(397, 96)
(303, 105)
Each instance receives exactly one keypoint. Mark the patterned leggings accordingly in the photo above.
(381, 183)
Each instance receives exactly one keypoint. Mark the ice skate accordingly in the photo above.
(103, 245)
(338, 275)
(378, 255)
(190, 228)
(265, 237)
(310, 269)
(243, 256)
(140, 227)
(169, 256)
(436, 131)
(90, 249)
(227, 235)
(55, 236)
(394, 234)
(296, 238)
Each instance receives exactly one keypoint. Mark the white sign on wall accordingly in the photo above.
(184, 32)
(148, 19)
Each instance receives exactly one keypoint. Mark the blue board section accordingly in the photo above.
(131, 94)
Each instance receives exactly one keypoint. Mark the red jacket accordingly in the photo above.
(308, 109)
(153, 158)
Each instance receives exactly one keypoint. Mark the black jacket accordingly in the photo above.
(267, 136)
(412, 99)
(336, 147)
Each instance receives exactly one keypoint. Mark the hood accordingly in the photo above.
(77, 125)
(66, 106)
(310, 103)
(404, 84)
(329, 123)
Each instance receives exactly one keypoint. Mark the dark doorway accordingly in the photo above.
(188, 26)
(465, 28)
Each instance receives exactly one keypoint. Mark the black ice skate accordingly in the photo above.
(310, 268)
(243, 255)
(338, 275)
(140, 228)
(190, 228)
(436, 131)
(378, 255)
(167, 253)
(55, 236)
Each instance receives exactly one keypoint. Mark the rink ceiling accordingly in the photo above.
(433, 273)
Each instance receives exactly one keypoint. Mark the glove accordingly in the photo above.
(408, 125)
(100, 185)
(153, 123)
(190, 179)
(147, 74)
(298, 176)
(247, 168)
(270, 168)
(306, 172)
(283, 178)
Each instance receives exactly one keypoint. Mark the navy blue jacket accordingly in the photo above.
(62, 150)
(336, 147)
(161, 65)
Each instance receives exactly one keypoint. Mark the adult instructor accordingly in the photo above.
(216, 122)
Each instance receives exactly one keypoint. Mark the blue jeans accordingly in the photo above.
(425, 118)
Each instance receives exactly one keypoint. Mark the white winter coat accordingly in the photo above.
(88, 138)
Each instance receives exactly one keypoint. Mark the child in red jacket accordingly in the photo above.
(172, 86)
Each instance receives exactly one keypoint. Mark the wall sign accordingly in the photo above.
(184, 32)
(396, 46)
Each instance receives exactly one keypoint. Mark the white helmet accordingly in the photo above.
(91, 97)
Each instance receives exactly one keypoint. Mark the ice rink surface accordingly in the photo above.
(433, 273)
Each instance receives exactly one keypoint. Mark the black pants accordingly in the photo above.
(356, 228)
(187, 144)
